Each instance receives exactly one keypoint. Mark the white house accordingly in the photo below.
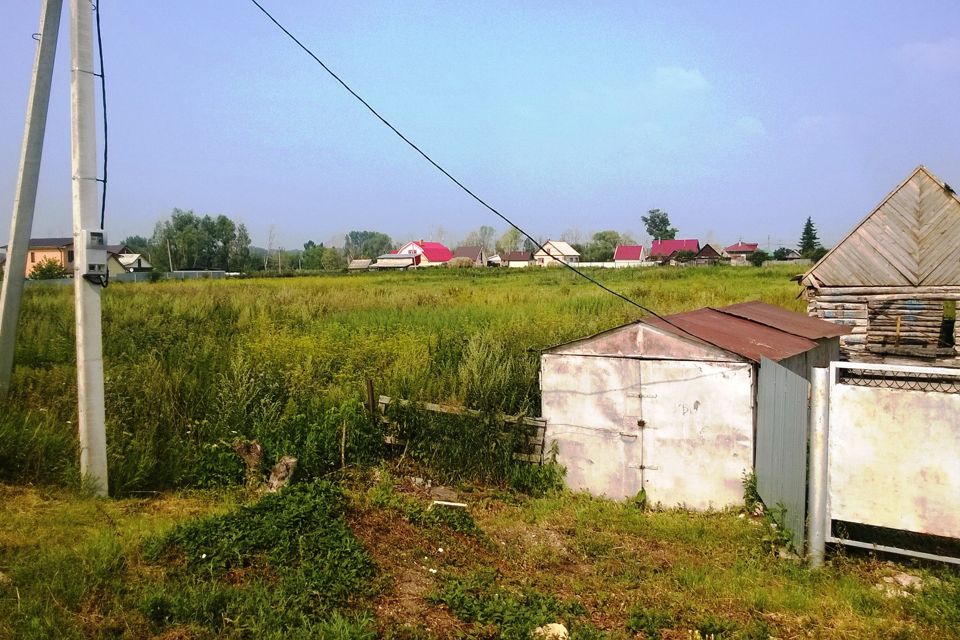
(554, 252)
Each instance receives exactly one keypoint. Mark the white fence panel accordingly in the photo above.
(894, 453)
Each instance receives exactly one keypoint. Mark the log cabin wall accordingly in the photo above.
(890, 324)
(895, 278)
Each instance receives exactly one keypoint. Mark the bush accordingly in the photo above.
(48, 269)
(306, 560)
(758, 257)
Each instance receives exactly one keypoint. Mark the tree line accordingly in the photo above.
(188, 241)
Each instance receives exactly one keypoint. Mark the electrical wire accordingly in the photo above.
(103, 102)
(452, 178)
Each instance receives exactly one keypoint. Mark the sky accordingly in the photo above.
(738, 119)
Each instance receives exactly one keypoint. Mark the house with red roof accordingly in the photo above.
(629, 254)
(740, 253)
(426, 254)
(664, 250)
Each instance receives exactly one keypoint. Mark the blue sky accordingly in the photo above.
(739, 119)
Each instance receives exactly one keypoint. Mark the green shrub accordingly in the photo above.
(306, 561)
(650, 622)
(48, 269)
(478, 598)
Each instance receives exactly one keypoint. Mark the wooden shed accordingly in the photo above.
(673, 406)
(895, 278)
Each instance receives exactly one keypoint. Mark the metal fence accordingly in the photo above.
(888, 449)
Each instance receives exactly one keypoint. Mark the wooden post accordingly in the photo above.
(372, 401)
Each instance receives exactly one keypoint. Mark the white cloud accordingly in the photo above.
(680, 79)
(750, 126)
(940, 55)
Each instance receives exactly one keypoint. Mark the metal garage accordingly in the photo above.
(670, 406)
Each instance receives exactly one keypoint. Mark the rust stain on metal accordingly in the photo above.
(743, 337)
(784, 320)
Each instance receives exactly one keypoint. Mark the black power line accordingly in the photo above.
(103, 102)
(451, 177)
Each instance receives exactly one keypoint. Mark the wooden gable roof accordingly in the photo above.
(911, 239)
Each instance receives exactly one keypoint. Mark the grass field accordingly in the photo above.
(193, 365)
(186, 551)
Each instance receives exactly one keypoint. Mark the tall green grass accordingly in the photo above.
(192, 367)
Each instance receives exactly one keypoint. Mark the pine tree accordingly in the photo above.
(809, 241)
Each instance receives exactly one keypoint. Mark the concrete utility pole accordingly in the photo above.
(89, 248)
(25, 197)
(817, 477)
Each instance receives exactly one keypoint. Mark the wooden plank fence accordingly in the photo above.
(533, 452)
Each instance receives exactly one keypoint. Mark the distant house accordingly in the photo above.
(414, 254)
(120, 258)
(554, 252)
(792, 254)
(40, 249)
(740, 253)
(517, 259)
(359, 265)
(708, 254)
(394, 260)
(495, 261)
(428, 254)
(629, 255)
(664, 250)
(127, 262)
(473, 253)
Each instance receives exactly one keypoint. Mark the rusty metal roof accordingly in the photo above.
(751, 330)
(784, 320)
(743, 337)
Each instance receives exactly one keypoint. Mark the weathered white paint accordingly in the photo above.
(682, 430)
(593, 419)
(638, 338)
(893, 456)
(698, 437)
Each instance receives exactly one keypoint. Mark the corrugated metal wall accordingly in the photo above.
(782, 431)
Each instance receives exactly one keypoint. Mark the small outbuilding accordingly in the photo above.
(708, 255)
(895, 278)
(517, 259)
(673, 406)
(359, 264)
(475, 254)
